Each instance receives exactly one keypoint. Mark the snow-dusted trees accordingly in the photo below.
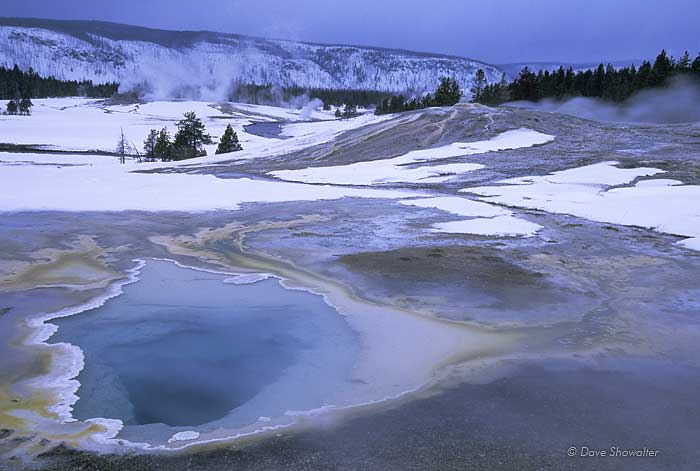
(190, 138)
(229, 142)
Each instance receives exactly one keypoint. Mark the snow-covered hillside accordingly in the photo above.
(204, 65)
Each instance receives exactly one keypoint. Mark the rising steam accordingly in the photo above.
(677, 103)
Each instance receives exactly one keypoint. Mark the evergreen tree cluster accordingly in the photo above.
(447, 93)
(349, 111)
(273, 95)
(16, 84)
(21, 107)
(158, 146)
(604, 82)
(188, 143)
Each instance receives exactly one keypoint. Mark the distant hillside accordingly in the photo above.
(205, 64)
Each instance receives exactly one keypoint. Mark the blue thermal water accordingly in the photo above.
(182, 348)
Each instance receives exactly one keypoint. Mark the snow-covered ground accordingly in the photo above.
(590, 192)
(100, 183)
(83, 182)
(78, 124)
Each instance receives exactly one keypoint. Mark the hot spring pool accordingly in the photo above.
(182, 349)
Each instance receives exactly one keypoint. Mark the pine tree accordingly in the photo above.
(12, 107)
(448, 92)
(683, 64)
(479, 84)
(695, 66)
(25, 106)
(190, 138)
(338, 113)
(643, 74)
(661, 69)
(503, 94)
(163, 148)
(229, 142)
(385, 105)
(569, 82)
(525, 86)
(149, 145)
(396, 104)
(596, 89)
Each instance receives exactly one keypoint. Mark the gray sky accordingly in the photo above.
(495, 31)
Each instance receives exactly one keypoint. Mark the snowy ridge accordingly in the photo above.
(170, 61)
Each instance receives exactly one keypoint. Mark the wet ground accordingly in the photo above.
(268, 130)
(608, 316)
(675, 148)
(527, 420)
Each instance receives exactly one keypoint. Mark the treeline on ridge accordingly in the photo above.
(604, 82)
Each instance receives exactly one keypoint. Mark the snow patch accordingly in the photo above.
(184, 436)
(504, 226)
(395, 170)
(664, 206)
(115, 189)
(247, 279)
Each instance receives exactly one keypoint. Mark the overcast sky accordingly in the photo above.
(495, 31)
